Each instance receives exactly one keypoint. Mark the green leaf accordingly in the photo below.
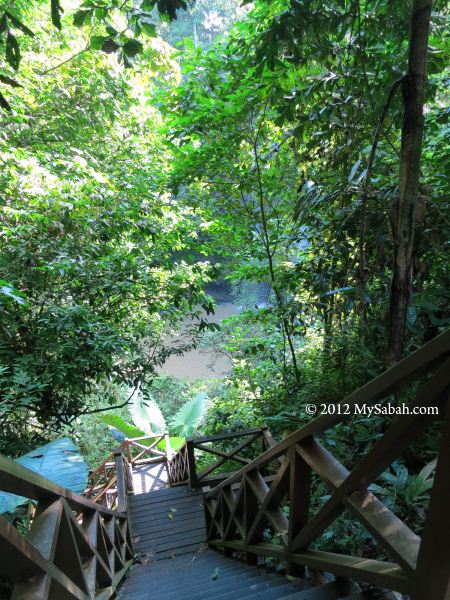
(129, 430)
(19, 25)
(147, 415)
(148, 28)
(4, 102)
(132, 47)
(110, 46)
(175, 443)
(59, 461)
(3, 23)
(12, 51)
(169, 7)
(187, 419)
(97, 41)
(9, 81)
(11, 292)
(81, 17)
(56, 11)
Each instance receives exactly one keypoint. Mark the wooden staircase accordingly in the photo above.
(200, 532)
(169, 534)
(168, 522)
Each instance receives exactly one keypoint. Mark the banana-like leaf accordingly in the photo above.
(59, 461)
(130, 431)
(175, 443)
(147, 415)
(187, 419)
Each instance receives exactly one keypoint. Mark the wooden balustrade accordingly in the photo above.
(242, 507)
(102, 481)
(75, 548)
(182, 468)
(80, 546)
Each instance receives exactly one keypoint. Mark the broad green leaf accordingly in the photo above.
(187, 419)
(56, 11)
(81, 17)
(12, 52)
(129, 430)
(13, 293)
(175, 443)
(97, 41)
(59, 461)
(147, 415)
(19, 25)
(148, 28)
(132, 47)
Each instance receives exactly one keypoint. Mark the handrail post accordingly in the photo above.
(168, 456)
(129, 457)
(122, 495)
(432, 575)
(168, 446)
(193, 481)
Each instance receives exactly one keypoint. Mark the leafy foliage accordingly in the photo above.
(129, 430)
(135, 18)
(147, 415)
(273, 130)
(90, 282)
(188, 418)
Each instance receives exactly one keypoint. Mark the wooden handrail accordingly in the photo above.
(102, 483)
(428, 356)
(227, 435)
(240, 508)
(75, 547)
(182, 467)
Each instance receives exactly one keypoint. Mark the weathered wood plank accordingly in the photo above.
(28, 561)
(403, 430)
(226, 436)
(380, 573)
(432, 578)
(401, 543)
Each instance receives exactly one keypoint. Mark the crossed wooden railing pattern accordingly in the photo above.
(239, 509)
(102, 481)
(75, 548)
(182, 468)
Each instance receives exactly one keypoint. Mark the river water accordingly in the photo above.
(203, 363)
(199, 363)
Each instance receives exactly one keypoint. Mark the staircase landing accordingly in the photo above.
(149, 478)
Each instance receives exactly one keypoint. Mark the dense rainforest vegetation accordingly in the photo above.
(291, 152)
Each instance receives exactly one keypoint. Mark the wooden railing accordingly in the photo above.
(102, 481)
(241, 508)
(75, 548)
(182, 468)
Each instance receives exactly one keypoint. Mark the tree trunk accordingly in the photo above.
(411, 149)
